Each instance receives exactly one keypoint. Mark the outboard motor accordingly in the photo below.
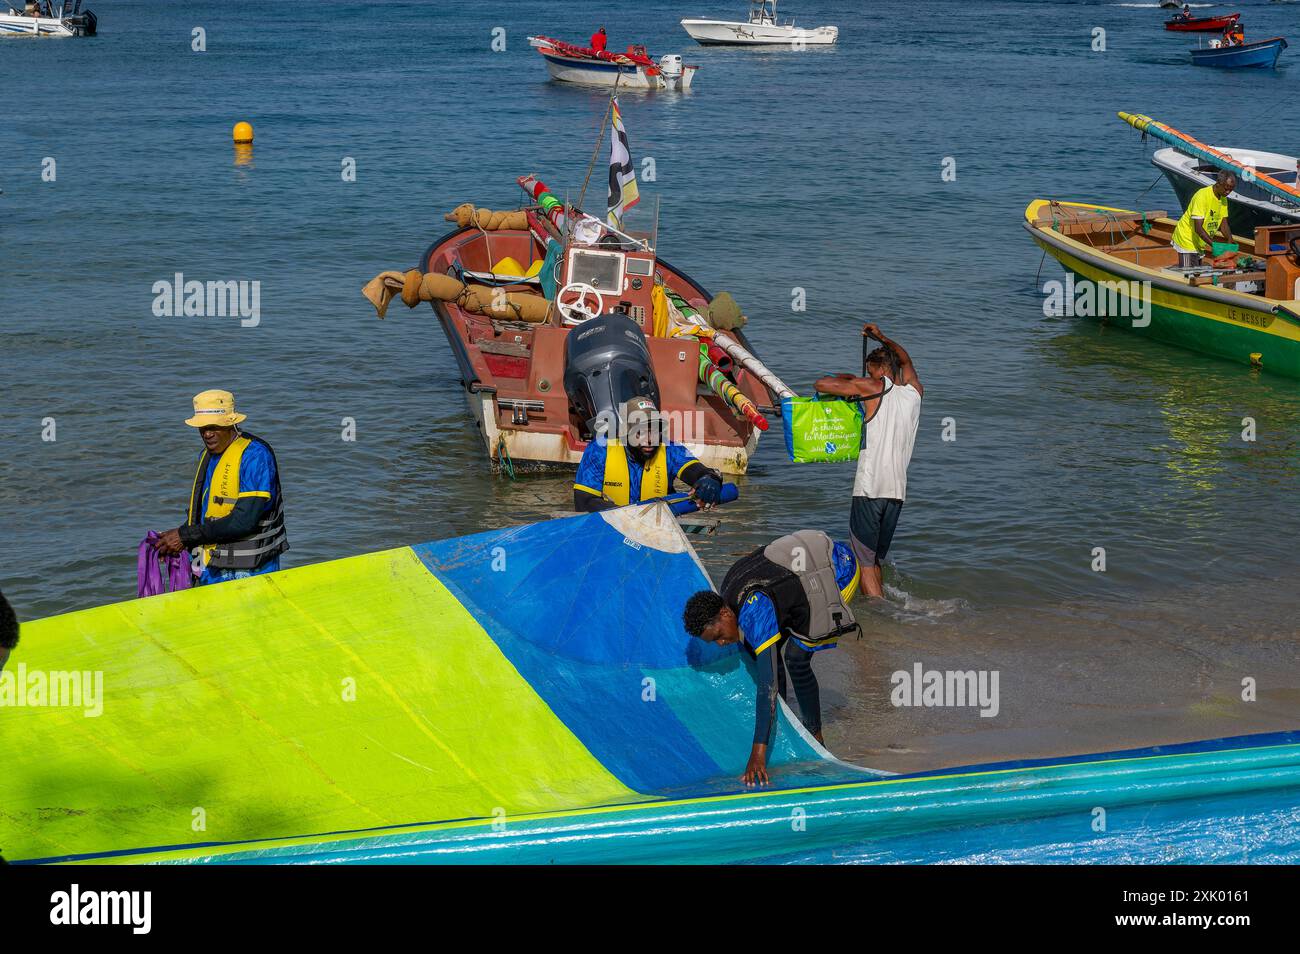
(672, 69)
(607, 364)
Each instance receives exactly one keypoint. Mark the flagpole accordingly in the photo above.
(595, 153)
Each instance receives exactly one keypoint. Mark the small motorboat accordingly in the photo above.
(1202, 24)
(633, 69)
(1262, 54)
(47, 18)
(761, 29)
(1242, 308)
(1169, 4)
(557, 320)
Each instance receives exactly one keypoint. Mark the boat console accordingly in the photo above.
(602, 278)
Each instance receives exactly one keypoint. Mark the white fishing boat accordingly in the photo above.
(761, 29)
(1249, 205)
(633, 69)
(48, 18)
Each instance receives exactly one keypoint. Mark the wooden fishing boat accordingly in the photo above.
(1248, 313)
(48, 18)
(1262, 54)
(633, 69)
(543, 360)
(1202, 24)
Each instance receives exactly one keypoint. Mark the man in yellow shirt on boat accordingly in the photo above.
(1204, 222)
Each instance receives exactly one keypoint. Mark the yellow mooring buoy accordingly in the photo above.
(243, 133)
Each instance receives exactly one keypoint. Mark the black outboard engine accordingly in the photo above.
(607, 364)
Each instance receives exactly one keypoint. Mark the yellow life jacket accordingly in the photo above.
(617, 481)
(268, 538)
(662, 323)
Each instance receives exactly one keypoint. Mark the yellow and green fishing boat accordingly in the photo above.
(1241, 306)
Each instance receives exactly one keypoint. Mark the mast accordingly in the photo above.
(1193, 147)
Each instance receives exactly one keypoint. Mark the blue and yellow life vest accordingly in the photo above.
(618, 481)
(268, 538)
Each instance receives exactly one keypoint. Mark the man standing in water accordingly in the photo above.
(891, 411)
(236, 513)
(782, 603)
(614, 473)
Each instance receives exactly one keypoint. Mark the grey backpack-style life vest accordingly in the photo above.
(797, 572)
(810, 556)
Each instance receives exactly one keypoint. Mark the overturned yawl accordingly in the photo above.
(558, 319)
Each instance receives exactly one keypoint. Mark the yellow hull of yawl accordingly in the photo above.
(1130, 252)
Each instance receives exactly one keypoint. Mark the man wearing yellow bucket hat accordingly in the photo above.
(235, 521)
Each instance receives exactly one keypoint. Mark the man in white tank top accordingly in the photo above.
(891, 410)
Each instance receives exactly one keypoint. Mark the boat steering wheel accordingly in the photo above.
(1294, 245)
(578, 310)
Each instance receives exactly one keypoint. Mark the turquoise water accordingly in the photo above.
(1254, 828)
(819, 171)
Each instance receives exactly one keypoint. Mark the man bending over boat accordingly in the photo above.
(599, 40)
(890, 394)
(781, 604)
(1204, 222)
(613, 473)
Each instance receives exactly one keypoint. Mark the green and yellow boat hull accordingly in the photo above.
(1238, 326)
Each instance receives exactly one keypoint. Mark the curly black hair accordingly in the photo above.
(701, 610)
(8, 625)
(883, 357)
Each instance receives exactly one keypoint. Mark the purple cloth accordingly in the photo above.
(150, 569)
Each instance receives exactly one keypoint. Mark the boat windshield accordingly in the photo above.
(601, 270)
(762, 11)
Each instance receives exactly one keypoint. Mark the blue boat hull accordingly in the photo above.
(1261, 55)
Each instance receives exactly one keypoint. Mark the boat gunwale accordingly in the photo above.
(1158, 279)
(470, 380)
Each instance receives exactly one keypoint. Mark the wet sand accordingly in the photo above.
(1073, 678)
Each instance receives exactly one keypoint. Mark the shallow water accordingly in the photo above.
(779, 171)
(1254, 828)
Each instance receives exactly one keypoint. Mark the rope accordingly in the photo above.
(609, 109)
(1039, 274)
(503, 455)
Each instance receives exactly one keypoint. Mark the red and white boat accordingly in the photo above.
(557, 320)
(632, 69)
(1202, 24)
